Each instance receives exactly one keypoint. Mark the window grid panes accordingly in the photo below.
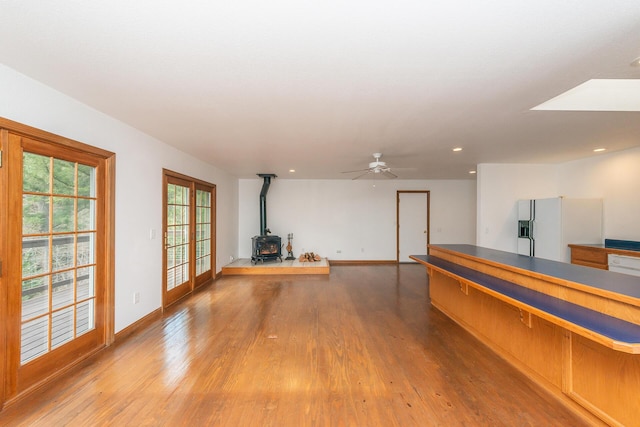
(58, 253)
(177, 238)
(203, 231)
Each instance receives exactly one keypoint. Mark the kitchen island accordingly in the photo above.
(573, 329)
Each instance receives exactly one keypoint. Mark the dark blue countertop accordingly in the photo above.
(613, 328)
(610, 281)
(627, 245)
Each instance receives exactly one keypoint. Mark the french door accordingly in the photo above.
(204, 227)
(57, 264)
(189, 242)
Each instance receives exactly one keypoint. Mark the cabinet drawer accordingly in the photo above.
(593, 256)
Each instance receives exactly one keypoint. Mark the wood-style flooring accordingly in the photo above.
(360, 347)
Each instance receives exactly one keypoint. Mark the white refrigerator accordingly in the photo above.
(547, 226)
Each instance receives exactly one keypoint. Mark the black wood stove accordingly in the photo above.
(265, 247)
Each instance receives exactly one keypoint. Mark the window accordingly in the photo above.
(58, 253)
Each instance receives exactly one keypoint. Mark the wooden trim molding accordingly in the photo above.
(42, 135)
(362, 262)
(138, 325)
(110, 256)
(178, 175)
(4, 215)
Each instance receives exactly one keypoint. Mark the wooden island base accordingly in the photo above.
(580, 341)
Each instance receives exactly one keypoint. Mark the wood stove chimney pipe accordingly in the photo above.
(263, 201)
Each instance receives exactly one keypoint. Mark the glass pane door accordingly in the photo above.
(58, 253)
(177, 239)
(57, 205)
(203, 235)
(189, 235)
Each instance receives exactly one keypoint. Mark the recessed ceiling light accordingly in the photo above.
(292, 170)
(457, 149)
(599, 150)
(472, 172)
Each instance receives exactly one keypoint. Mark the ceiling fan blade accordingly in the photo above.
(360, 176)
(359, 170)
(378, 168)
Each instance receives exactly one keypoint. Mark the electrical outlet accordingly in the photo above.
(230, 258)
(362, 250)
(136, 297)
(339, 251)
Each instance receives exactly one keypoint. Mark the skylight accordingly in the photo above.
(597, 95)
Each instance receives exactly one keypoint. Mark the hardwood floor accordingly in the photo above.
(361, 347)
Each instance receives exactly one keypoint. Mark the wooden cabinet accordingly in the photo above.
(590, 256)
(596, 256)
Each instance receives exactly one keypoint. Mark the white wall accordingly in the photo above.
(614, 177)
(330, 215)
(500, 186)
(139, 162)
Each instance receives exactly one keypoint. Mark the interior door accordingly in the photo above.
(178, 239)
(55, 256)
(413, 224)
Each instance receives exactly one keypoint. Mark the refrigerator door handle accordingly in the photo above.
(532, 240)
(532, 246)
(532, 210)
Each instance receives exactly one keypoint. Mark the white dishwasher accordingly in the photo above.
(624, 264)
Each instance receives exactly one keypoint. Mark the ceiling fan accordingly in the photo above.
(377, 168)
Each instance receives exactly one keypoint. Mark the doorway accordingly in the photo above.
(57, 254)
(189, 235)
(412, 232)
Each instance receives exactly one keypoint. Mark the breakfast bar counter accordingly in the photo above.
(575, 330)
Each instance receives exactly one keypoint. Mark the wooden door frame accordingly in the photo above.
(194, 182)
(107, 249)
(4, 223)
(398, 192)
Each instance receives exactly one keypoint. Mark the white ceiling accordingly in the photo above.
(318, 86)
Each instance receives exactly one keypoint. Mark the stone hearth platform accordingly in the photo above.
(243, 267)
